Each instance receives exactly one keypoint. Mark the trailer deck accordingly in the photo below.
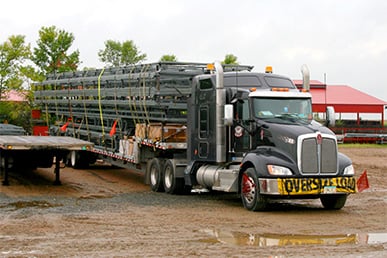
(57, 146)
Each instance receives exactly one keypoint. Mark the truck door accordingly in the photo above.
(240, 137)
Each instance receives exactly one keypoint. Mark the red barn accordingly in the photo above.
(344, 99)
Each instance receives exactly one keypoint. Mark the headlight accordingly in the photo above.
(278, 170)
(349, 171)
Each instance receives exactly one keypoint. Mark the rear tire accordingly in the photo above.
(333, 202)
(173, 185)
(78, 159)
(251, 198)
(155, 175)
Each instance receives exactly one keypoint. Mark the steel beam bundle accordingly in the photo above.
(91, 101)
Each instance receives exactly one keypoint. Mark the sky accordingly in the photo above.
(342, 42)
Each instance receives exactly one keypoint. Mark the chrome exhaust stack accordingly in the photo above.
(305, 77)
(220, 126)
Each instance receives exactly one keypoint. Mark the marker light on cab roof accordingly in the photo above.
(211, 67)
(269, 69)
(279, 89)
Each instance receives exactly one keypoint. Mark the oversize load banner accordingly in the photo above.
(303, 186)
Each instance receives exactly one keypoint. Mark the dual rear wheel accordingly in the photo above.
(162, 177)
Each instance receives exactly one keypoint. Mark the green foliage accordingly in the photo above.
(52, 54)
(30, 74)
(16, 113)
(15, 75)
(168, 58)
(120, 54)
(362, 145)
(230, 59)
(13, 53)
(5, 110)
(340, 123)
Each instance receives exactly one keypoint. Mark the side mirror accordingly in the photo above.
(228, 115)
(331, 117)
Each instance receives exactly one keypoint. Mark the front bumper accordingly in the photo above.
(307, 186)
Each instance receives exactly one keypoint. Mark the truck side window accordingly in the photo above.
(245, 111)
(206, 84)
(203, 122)
(242, 111)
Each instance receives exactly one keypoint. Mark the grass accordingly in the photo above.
(362, 145)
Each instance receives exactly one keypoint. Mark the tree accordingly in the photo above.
(168, 58)
(230, 59)
(120, 54)
(52, 54)
(13, 53)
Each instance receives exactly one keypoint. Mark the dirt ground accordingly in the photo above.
(106, 212)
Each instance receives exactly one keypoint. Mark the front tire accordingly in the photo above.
(251, 198)
(333, 202)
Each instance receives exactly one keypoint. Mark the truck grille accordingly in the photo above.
(317, 154)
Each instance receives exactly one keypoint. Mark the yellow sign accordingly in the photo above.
(304, 186)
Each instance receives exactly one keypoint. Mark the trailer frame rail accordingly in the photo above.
(57, 146)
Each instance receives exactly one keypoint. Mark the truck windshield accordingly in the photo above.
(290, 109)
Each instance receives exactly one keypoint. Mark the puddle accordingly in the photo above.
(262, 240)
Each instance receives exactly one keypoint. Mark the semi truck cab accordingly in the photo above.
(270, 146)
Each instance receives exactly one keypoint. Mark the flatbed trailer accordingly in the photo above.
(37, 151)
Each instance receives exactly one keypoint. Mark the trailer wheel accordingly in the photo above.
(155, 176)
(77, 160)
(173, 185)
(251, 198)
(74, 159)
(333, 202)
(2, 162)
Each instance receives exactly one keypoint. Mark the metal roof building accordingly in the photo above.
(344, 99)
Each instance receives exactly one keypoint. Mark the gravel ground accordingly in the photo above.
(108, 212)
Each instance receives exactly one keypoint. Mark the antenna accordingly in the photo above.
(325, 91)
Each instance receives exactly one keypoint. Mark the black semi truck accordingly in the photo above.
(201, 126)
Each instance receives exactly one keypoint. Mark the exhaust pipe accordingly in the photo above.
(220, 127)
(305, 77)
